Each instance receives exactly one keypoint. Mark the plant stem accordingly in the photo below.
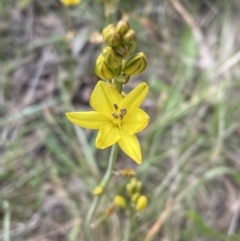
(103, 184)
(127, 230)
(118, 85)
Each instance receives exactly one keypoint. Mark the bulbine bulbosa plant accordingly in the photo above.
(117, 116)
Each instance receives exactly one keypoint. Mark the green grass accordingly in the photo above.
(190, 170)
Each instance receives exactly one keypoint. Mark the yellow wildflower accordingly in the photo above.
(70, 2)
(118, 119)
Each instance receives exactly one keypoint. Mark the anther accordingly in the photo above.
(115, 106)
(123, 111)
(115, 115)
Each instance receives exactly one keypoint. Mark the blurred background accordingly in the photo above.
(191, 155)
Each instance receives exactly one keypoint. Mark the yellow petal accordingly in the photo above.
(89, 120)
(135, 121)
(103, 97)
(107, 136)
(135, 98)
(130, 145)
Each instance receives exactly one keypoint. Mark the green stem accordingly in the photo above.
(6, 221)
(118, 85)
(103, 185)
(108, 174)
(68, 17)
(128, 228)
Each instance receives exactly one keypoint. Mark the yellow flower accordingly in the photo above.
(118, 119)
(70, 2)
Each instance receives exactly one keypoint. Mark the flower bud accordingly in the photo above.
(128, 172)
(97, 191)
(129, 37)
(70, 2)
(142, 203)
(125, 49)
(120, 201)
(130, 189)
(135, 197)
(111, 36)
(138, 186)
(135, 65)
(122, 27)
(112, 58)
(102, 69)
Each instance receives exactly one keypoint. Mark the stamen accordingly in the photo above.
(115, 115)
(121, 116)
(123, 111)
(115, 106)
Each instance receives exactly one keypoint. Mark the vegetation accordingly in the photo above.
(49, 167)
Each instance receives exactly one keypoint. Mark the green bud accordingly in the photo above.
(129, 37)
(122, 27)
(135, 65)
(135, 197)
(111, 36)
(112, 58)
(142, 203)
(125, 49)
(130, 189)
(102, 69)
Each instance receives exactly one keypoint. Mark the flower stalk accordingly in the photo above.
(103, 184)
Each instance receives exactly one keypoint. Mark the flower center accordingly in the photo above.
(118, 115)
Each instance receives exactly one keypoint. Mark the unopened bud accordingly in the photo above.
(142, 203)
(130, 189)
(112, 58)
(129, 37)
(135, 197)
(128, 172)
(120, 201)
(122, 27)
(111, 36)
(125, 49)
(102, 69)
(97, 191)
(135, 65)
(70, 2)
